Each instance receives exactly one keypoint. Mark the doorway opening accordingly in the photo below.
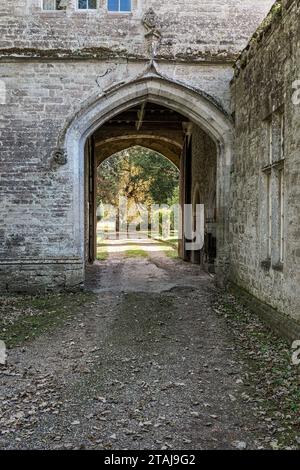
(143, 154)
(137, 202)
(199, 142)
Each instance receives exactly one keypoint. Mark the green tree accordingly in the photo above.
(139, 174)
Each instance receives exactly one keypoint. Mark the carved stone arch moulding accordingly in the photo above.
(194, 104)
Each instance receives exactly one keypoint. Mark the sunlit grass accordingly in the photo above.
(171, 253)
(169, 247)
(102, 253)
(135, 253)
(136, 249)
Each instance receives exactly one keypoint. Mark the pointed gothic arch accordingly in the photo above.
(198, 107)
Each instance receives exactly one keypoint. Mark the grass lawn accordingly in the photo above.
(102, 253)
(171, 253)
(135, 253)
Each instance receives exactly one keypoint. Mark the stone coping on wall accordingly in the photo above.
(283, 325)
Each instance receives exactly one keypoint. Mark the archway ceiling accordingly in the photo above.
(148, 125)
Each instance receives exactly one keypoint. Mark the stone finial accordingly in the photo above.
(60, 157)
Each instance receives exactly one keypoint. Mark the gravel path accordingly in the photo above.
(145, 363)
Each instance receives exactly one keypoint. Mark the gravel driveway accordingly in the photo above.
(144, 362)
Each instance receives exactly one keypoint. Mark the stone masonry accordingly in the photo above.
(55, 64)
(265, 81)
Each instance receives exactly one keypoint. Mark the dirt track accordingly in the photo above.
(145, 363)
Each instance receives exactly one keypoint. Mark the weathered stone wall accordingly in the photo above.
(38, 203)
(41, 275)
(191, 30)
(51, 64)
(264, 80)
(204, 186)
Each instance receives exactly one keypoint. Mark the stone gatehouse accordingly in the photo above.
(76, 76)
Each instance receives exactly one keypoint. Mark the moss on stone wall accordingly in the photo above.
(271, 22)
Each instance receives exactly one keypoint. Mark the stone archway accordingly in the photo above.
(167, 147)
(196, 106)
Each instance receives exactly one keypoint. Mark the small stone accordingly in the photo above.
(187, 441)
(102, 399)
(240, 445)
(274, 445)
(3, 355)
